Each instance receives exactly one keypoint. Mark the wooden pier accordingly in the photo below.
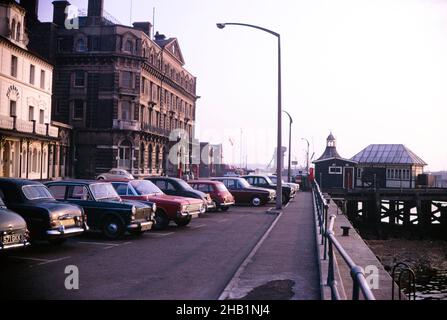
(420, 210)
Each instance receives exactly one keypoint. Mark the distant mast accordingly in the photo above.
(153, 22)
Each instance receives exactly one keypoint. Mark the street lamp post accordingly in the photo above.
(307, 156)
(279, 142)
(289, 175)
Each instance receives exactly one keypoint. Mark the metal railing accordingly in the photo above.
(331, 244)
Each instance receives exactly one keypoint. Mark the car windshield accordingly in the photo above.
(243, 183)
(185, 186)
(36, 192)
(274, 180)
(144, 187)
(104, 191)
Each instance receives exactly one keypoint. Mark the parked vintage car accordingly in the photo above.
(294, 186)
(46, 218)
(116, 175)
(244, 193)
(178, 187)
(105, 210)
(222, 198)
(264, 181)
(13, 231)
(169, 208)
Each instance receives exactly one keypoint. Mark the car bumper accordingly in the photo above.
(65, 232)
(210, 206)
(140, 226)
(227, 204)
(14, 246)
(193, 214)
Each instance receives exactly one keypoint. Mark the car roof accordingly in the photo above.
(77, 181)
(205, 181)
(19, 182)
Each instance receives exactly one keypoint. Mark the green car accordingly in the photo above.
(106, 211)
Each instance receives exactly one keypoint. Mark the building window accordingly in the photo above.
(32, 72)
(31, 113)
(79, 78)
(14, 63)
(13, 29)
(126, 80)
(19, 32)
(12, 108)
(335, 170)
(41, 116)
(78, 110)
(81, 45)
(128, 47)
(125, 111)
(42, 79)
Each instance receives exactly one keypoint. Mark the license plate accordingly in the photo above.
(146, 227)
(68, 222)
(12, 239)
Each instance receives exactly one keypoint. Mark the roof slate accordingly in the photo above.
(388, 154)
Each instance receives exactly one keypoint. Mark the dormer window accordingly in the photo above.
(81, 45)
(128, 46)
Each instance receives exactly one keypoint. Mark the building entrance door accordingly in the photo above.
(349, 178)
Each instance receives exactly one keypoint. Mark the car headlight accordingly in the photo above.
(184, 208)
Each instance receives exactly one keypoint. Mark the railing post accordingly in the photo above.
(355, 271)
(325, 228)
(330, 274)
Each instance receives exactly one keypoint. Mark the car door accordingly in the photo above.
(238, 194)
(80, 195)
(262, 183)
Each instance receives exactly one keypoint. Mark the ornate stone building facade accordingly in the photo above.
(31, 145)
(121, 90)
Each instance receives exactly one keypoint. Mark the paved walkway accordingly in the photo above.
(285, 265)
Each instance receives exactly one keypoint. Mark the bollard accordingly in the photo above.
(346, 231)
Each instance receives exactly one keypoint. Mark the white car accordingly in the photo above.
(116, 174)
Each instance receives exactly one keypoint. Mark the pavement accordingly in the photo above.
(284, 264)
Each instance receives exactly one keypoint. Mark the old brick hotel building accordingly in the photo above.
(122, 90)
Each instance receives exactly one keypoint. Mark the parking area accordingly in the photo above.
(194, 262)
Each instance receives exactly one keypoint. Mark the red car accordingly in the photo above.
(169, 208)
(218, 192)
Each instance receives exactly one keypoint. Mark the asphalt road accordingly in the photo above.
(191, 263)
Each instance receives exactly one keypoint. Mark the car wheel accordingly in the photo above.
(285, 198)
(256, 201)
(100, 178)
(57, 242)
(183, 222)
(225, 208)
(113, 228)
(161, 220)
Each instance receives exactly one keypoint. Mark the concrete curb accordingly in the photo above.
(234, 280)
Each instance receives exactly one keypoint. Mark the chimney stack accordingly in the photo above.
(31, 7)
(59, 12)
(96, 8)
(146, 27)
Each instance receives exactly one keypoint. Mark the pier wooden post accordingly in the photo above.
(392, 213)
(407, 214)
(352, 210)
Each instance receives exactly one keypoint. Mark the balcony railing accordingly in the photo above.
(24, 126)
(41, 129)
(156, 130)
(6, 123)
(126, 125)
(11, 123)
(53, 131)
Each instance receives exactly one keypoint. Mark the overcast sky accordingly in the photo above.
(370, 71)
